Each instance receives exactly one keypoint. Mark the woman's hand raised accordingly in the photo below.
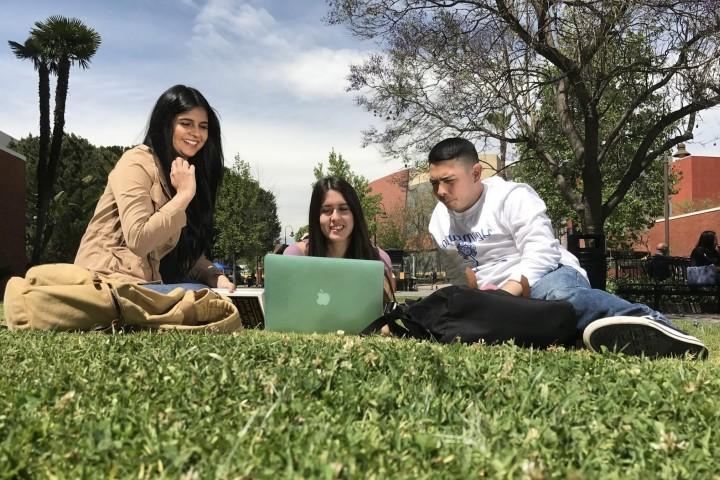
(182, 177)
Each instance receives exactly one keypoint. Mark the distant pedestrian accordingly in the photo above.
(433, 277)
(658, 265)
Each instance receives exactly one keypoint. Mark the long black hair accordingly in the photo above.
(196, 237)
(707, 240)
(360, 246)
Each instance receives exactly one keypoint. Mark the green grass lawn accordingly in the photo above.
(258, 405)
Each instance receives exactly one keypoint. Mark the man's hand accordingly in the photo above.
(224, 282)
(470, 278)
(513, 287)
(521, 288)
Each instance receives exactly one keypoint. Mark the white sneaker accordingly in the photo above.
(641, 335)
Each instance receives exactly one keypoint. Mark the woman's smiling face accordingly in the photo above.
(336, 219)
(190, 132)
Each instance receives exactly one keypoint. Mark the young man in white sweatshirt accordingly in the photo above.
(501, 230)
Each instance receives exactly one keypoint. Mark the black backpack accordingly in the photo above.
(468, 315)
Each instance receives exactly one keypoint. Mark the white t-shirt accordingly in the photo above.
(504, 235)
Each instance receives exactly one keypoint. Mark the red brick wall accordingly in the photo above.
(684, 231)
(698, 185)
(393, 189)
(694, 208)
(12, 213)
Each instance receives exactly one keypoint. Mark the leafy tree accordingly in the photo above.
(407, 227)
(391, 232)
(300, 232)
(32, 50)
(246, 221)
(643, 202)
(337, 166)
(79, 186)
(53, 46)
(625, 79)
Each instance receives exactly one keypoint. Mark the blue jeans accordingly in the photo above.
(168, 287)
(566, 283)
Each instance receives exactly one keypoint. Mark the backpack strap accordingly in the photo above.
(399, 323)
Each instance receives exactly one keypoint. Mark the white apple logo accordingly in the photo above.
(323, 298)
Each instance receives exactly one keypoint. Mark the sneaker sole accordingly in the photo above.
(641, 336)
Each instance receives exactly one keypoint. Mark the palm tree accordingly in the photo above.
(58, 42)
(32, 50)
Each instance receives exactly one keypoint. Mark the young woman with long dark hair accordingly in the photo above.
(706, 250)
(337, 228)
(154, 221)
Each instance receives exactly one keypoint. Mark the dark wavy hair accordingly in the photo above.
(707, 240)
(360, 246)
(196, 237)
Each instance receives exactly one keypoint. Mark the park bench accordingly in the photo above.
(634, 282)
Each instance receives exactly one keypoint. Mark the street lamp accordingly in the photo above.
(291, 233)
(681, 152)
(666, 192)
(381, 214)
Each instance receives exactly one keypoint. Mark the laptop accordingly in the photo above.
(250, 304)
(317, 294)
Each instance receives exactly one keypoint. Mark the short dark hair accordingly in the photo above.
(196, 237)
(360, 246)
(452, 149)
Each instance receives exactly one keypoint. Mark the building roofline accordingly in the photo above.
(14, 153)
(690, 214)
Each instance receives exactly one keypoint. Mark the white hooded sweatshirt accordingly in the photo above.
(504, 235)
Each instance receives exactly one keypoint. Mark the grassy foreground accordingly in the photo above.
(258, 405)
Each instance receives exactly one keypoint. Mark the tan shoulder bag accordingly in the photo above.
(67, 297)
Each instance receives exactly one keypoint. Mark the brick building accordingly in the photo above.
(694, 208)
(393, 189)
(12, 212)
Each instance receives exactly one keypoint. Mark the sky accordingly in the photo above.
(273, 69)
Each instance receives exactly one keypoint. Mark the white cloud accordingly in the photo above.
(233, 26)
(707, 134)
(261, 54)
(283, 155)
(318, 73)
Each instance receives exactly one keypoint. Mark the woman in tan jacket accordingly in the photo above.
(154, 221)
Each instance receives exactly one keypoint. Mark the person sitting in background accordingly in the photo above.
(658, 265)
(706, 250)
(337, 228)
(154, 221)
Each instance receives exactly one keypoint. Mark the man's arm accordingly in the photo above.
(524, 214)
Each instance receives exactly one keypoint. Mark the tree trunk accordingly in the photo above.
(589, 247)
(502, 159)
(42, 162)
(46, 192)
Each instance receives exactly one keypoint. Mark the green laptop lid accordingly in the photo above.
(317, 294)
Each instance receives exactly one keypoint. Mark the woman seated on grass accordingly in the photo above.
(338, 229)
(153, 222)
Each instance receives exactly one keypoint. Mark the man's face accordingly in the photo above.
(456, 183)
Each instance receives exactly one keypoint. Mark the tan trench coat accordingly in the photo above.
(133, 228)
